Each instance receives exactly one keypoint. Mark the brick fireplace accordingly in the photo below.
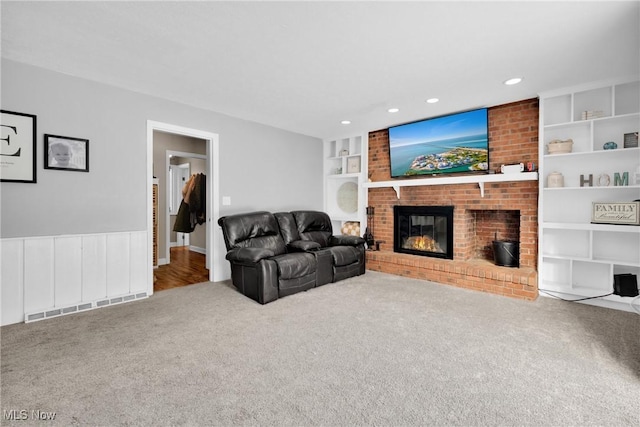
(508, 211)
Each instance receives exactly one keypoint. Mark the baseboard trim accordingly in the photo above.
(197, 249)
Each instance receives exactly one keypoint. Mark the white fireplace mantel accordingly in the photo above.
(452, 180)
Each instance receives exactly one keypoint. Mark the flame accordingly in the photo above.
(422, 243)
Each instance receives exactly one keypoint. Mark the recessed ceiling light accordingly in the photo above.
(393, 110)
(513, 81)
(432, 100)
(346, 122)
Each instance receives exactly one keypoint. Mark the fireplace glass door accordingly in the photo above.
(424, 230)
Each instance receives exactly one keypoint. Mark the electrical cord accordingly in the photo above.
(574, 300)
(634, 307)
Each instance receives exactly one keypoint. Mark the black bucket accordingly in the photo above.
(506, 253)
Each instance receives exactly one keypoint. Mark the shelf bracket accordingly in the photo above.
(481, 185)
(397, 189)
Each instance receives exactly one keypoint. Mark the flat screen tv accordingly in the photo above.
(442, 145)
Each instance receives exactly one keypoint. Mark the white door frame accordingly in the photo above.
(168, 155)
(216, 269)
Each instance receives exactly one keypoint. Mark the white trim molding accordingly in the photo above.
(215, 245)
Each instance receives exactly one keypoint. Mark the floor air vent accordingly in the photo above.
(47, 314)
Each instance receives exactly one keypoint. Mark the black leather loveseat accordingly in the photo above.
(275, 255)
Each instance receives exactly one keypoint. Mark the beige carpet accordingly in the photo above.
(373, 350)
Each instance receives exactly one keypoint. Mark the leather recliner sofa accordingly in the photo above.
(275, 255)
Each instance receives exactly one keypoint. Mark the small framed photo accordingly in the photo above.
(17, 147)
(353, 165)
(631, 140)
(66, 153)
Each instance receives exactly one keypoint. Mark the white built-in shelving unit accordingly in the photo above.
(345, 170)
(578, 259)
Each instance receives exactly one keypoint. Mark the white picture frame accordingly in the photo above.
(17, 147)
(353, 165)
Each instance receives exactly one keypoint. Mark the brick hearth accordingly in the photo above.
(508, 209)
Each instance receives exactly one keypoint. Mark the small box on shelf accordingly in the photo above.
(626, 213)
(631, 140)
(625, 285)
(592, 114)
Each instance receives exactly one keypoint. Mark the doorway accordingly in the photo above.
(179, 166)
(178, 176)
(214, 257)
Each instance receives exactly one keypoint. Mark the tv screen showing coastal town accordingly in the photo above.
(454, 143)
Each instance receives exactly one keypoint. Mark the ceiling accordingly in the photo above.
(306, 66)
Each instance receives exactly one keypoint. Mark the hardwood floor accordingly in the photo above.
(186, 268)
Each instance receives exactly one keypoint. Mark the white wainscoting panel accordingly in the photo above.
(118, 264)
(67, 270)
(94, 267)
(38, 274)
(11, 280)
(50, 276)
(139, 268)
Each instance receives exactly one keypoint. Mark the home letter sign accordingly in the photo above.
(586, 181)
(619, 181)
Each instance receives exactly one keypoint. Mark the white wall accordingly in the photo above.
(261, 167)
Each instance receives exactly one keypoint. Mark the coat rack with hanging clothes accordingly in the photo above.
(192, 210)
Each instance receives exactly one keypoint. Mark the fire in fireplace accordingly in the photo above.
(424, 230)
(422, 243)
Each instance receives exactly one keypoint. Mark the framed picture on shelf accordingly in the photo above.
(631, 140)
(353, 165)
(17, 147)
(66, 153)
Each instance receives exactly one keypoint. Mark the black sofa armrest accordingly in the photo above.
(252, 255)
(304, 245)
(346, 240)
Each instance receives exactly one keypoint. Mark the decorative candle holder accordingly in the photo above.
(555, 180)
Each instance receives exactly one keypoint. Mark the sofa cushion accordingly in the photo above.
(293, 265)
(253, 230)
(248, 255)
(287, 225)
(314, 226)
(346, 240)
(343, 255)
